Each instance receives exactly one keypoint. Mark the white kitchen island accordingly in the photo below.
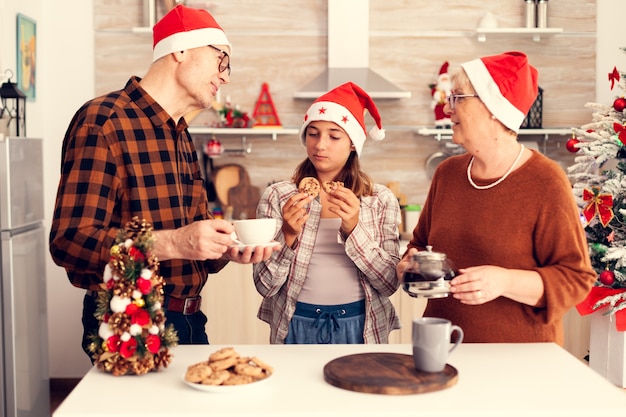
(539, 379)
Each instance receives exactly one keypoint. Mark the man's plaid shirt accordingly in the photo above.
(124, 156)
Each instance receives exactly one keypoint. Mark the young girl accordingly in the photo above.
(331, 280)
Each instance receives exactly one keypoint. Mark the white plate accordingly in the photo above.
(263, 245)
(226, 388)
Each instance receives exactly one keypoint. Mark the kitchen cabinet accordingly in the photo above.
(231, 302)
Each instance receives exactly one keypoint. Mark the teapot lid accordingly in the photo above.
(429, 255)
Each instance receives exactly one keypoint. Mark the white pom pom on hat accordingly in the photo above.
(185, 28)
(506, 83)
(346, 105)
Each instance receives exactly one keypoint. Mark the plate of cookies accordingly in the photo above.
(227, 371)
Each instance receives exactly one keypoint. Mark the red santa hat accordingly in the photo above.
(506, 83)
(185, 28)
(345, 105)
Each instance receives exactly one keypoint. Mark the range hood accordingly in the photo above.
(348, 54)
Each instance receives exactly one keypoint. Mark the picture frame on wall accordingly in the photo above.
(26, 47)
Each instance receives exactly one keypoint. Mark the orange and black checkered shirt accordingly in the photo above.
(124, 156)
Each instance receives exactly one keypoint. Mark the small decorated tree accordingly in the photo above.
(599, 184)
(132, 337)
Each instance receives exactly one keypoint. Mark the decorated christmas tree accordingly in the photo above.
(599, 184)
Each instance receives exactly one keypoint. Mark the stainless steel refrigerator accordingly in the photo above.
(24, 382)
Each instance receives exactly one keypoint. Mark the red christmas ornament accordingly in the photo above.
(619, 104)
(571, 145)
(128, 348)
(113, 343)
(153, 343)
(607, 277)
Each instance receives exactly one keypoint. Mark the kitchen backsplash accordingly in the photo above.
(283, 43)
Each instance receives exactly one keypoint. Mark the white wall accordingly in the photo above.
(609, 41)
(67, 51)
(65, 79)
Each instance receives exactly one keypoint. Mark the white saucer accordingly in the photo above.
(241, 246)
(226, 388)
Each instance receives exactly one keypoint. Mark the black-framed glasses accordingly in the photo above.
(454, 98)
(224, 63)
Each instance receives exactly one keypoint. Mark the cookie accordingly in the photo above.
(237, 379)
(197, 373)
(248, 369)
(310, 186)
(216, 378)
(258, 362)
(329, 186)
(223, 363)
(222, 354)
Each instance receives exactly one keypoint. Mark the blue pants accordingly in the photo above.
(320, 324)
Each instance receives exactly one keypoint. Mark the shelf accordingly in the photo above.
(440, 134)
(245, 131)
(446, 134)
(536, 33)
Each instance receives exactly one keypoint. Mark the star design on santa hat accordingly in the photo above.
(344, 119)
(322, 110)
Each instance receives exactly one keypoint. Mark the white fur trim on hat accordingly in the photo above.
(489, 93)
(332, 112)
(376, 133)
(182, 41)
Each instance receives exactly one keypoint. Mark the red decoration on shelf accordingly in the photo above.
(600, 204)
(264, 111)
(619, 104)
(571, 145)
(214, 148)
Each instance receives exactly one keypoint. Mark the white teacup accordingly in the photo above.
(255, 231)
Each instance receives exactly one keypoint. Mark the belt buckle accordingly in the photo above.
(191, 305)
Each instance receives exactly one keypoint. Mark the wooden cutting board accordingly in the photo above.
(224, 178)
(244, 199)
(385, 373)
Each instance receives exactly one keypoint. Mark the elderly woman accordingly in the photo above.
(504, 214)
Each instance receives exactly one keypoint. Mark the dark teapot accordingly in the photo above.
(428, 275)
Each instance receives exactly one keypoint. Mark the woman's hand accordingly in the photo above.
(481, 284)
(347, 206)
(478, 285)
(404, 262)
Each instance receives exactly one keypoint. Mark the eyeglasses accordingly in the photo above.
(454, 98)
(224, 63)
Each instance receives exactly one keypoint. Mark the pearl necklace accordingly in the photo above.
(493, 184)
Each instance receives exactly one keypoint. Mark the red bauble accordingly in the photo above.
(607, 277)
(571, 145)
(619, 104)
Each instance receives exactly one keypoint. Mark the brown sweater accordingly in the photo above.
(529, 221)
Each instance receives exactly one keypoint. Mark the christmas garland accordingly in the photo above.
(132, 337)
